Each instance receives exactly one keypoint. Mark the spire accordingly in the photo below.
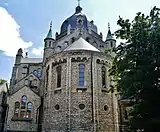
(49, 35)
(109, 35)
(78, 8)
(79, 2)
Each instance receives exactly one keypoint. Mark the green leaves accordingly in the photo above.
(2, 81)
(136, 68)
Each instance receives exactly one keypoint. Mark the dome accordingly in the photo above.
(72, 21)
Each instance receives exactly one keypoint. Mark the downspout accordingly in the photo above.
(40, 116)
(92, 96)
(6, 116)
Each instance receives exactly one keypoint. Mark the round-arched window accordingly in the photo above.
(39, 72)
(81, 106)
(57, 107)
(106, 108)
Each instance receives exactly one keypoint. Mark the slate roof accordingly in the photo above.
(81, 44)
(31, 60)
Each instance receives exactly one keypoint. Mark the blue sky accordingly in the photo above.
(24, 23)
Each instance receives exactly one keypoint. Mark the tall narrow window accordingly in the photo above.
(35, 83)
(59, 72)
(126, 114)
(30, 81)
(103, 77)
(39, 72)
(35, 72)
(16, 110)
(23, 106)
(23, 102)
(81, 75)
(47, 76)
(29, 109)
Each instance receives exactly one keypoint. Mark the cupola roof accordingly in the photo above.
(72, 21)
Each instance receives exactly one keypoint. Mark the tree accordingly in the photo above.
(2, 81)
(136, 69)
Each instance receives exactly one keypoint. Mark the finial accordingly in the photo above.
(26, 55)
(108, 26)
(51, 25)
(79, 2)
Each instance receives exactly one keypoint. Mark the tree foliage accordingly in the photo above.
(136, 68)
(2, 81)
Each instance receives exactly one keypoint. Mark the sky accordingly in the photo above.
(25, 23)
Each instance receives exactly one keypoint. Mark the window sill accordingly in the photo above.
(58, 89)
(105, 89)
(21, 119)
(82, 88)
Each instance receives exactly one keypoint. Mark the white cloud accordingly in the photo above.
(37, 51)
(10, 39)
(6, 4)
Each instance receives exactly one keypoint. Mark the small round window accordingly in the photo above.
(106, 108)
(81, 106)
(57, 107)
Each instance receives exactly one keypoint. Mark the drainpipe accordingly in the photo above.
(92, 94)
(5, 122)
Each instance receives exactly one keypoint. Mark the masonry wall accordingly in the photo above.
(24, 125)
(70, 117)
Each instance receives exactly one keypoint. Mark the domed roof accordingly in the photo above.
(72, 21)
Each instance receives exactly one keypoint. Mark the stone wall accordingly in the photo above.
(23, 125)
(70, 98)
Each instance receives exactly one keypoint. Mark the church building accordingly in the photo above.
(69, 89)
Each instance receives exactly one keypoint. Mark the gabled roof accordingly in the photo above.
(81, 44)
(16, 89)
(31, 60)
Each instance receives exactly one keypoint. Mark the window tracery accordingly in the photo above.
(23, 109)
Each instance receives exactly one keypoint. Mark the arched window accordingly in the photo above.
(23, 110)
(35, 72)
(35, 82)
(39, 72)
(111, 44)
(30, 80)
(72, 40)
(23, 102)
(95, 44)
(16, 109)
(103, 77)
(59, 72)
(81, 75)
(88, 39)
(26, 82)
(50, 43)
(23, 106)
(29, 109)
(126, 114)
(47, 76)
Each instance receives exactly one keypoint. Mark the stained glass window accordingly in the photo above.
(17, 107)
(81, 75)
(23, 102)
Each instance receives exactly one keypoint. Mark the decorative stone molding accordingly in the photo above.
(59, 62)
